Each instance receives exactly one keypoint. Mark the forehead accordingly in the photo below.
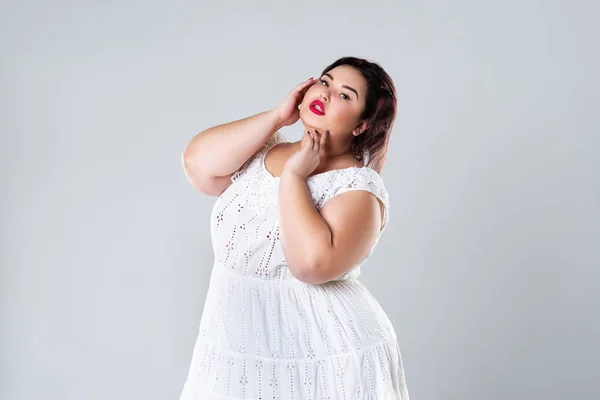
(347, 75)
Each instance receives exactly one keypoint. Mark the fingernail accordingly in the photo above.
(310, 78)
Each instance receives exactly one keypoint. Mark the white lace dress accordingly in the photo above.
(265, 334)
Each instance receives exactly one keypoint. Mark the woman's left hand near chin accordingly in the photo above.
(304, 161)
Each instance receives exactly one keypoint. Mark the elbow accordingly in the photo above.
(311, 272)
(308, 262)
(197, 179)
(308, 275)
(188, 167)
(191, 173)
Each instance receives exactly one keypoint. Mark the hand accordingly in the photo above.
(304, 161)
(287, 110)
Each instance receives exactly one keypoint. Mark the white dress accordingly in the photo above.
(265, 334)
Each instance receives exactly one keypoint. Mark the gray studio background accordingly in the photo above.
(489, 266)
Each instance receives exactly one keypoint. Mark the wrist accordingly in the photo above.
(287, 173)
(277, 120)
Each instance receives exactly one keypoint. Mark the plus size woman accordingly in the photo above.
(285, 316)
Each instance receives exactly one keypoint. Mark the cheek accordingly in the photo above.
(311, 94)
(313, 91)
(342, 114)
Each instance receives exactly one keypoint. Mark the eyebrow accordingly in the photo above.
(344, 86)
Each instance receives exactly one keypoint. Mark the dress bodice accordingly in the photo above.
(245, 218)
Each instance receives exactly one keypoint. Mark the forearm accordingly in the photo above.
(222, 149)
(304, 233)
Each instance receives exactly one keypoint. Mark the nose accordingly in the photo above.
(324, 95)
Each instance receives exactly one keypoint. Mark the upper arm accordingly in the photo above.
(216, 185)
(355, 220)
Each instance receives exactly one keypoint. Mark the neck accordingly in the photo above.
(335, 147)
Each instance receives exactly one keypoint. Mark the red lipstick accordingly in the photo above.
(315, 109)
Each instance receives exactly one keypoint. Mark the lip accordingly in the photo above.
(313, 109)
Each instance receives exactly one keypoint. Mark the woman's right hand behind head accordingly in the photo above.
(287, 109)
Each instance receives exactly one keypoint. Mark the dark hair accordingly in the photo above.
(380, 111)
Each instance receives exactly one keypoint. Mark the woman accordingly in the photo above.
(285, 316)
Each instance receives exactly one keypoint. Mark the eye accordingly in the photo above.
(344, 96)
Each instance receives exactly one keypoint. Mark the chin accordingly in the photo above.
(311, 120)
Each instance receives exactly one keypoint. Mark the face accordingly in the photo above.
(342, 93)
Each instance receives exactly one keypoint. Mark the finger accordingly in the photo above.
(324, 138)
(304, 85)
(302, 92)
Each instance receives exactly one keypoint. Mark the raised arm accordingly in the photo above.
(221, 150)
(213, 155)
